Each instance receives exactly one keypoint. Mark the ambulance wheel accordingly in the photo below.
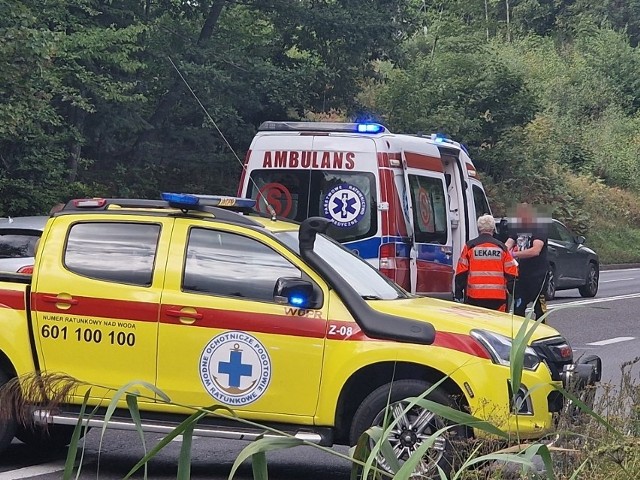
(7, 426)
(412, 428)
(53, 437)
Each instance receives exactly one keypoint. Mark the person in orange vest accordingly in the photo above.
(486, 270)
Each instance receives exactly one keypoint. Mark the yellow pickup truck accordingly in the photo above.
(215, 305)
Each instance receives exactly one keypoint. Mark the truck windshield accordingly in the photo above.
(364, 278)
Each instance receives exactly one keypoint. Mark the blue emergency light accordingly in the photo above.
(190, 200)
(181, 199)
(370, 128)
(297, 300)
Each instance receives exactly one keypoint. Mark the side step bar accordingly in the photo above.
(45, 417)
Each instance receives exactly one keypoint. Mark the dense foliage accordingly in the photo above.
(542, 91)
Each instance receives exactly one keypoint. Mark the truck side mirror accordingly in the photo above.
(297, 292)
(580, 239)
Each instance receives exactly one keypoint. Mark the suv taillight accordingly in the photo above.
(26, 269)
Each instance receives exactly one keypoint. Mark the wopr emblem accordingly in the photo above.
(345, 205)
(235, 368)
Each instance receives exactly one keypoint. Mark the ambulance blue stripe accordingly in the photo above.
(369, 248)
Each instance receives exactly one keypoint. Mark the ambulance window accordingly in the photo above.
(287, 192)
(347, 198)
(480, 201)
(429, 209)
(231, 265)
(116, 252)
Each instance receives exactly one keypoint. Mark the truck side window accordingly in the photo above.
(231, 265)
(113, 251)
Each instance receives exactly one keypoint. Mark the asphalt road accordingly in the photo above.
(608, 326)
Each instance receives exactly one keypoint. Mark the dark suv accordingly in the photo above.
(571, 264)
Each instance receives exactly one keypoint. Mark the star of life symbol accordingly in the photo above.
(235, 368)
(345, 205)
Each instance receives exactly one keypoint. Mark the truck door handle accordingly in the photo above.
(185, 312)
(59, 299)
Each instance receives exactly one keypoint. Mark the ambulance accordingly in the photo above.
(405, 203)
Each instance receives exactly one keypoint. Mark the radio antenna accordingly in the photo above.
(270, 209)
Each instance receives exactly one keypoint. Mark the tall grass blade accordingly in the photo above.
(263, 445)
(409, 466)
(75, 438)
(458, 417)
(542, 451)
(360, 455)
(179, 430)
(387, 430)
(520, 343)
(184, 462)
(132, 403)
(586, 409)
(376, 434)
(259, 466)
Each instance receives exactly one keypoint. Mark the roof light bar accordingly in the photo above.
(322, 127)
(89, 202)
(189, 200)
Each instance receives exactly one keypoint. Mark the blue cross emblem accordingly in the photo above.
(235, 368)
(344, 205)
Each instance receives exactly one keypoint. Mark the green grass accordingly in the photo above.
(615, 244)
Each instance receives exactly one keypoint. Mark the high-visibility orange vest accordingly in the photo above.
(487, 263)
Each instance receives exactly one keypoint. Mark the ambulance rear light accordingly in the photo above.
(371, 128)
(387, 256)
(89, 202)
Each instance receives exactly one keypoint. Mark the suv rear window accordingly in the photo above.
(17, 245)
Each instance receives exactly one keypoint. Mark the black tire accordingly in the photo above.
(53, 437)
(550, 283)
(7, 427)
(590, 288)
(407, 435)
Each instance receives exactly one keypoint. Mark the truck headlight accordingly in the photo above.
(499, 348)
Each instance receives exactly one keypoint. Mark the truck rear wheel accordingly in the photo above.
(7, 427)
(412, 428)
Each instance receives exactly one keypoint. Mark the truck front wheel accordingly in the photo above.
(412, 428)
(8, 424)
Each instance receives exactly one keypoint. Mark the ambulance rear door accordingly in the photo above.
(301, 175)
(432, 254)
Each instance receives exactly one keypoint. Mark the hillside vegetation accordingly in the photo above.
(545, 93)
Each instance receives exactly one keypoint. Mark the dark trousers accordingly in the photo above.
(530, 289)
(490, 303)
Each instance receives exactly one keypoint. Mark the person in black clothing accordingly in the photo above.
(528, 244)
